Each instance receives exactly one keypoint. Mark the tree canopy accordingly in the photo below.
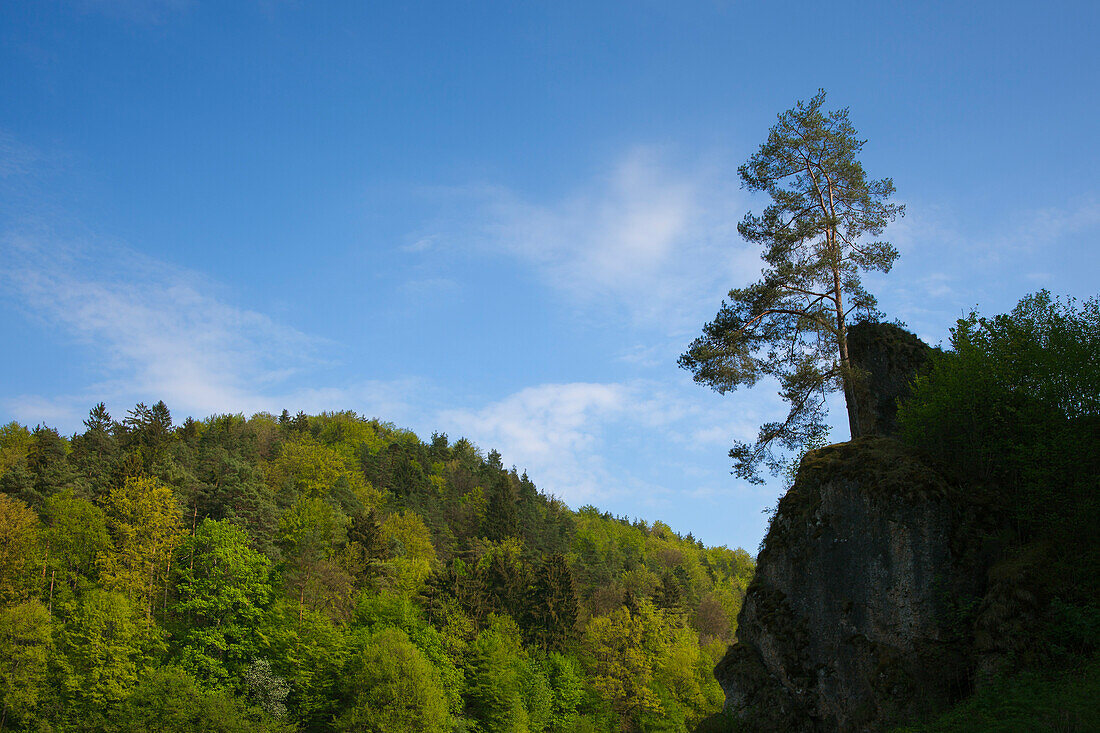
(333, 572)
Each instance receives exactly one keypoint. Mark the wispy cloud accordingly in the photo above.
(154, 331)
(575, 439)
(555, 431)
(16, 158)
(1027, 230)
(952, 262)
(1047, 224)
(655, 240)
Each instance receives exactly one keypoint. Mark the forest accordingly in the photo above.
(332, 572)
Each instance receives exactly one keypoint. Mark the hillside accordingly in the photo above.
(334, 572)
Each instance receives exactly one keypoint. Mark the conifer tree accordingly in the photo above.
(552, 604)
(501, 521)
(818, 234)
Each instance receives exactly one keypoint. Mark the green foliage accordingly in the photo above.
(618, 648)
(308, 651)
(376, 612)
(565, 677)
(15, 443)
(245, 574)
(1062, 700)
(171, 701)
(229, 478)
(501, 521)
(1012, 414)
(307, 469)
(791, 325)
(101, 654)
(551, 604)
(390, 687)
(221, 586)
(410, 554)
(1009, 409)
(144, 521)
(76, 535)
(310, 533)
(19, 549)
(496, 679)
(95, 453)
(25, 641)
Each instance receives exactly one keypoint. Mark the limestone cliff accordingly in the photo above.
(849, 623)
(852, 621)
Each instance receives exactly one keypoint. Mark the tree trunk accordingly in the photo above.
(842, 346)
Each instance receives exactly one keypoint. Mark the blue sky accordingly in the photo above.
(501, 220)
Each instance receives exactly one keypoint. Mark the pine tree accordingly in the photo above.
(818, 235)
(551, 616)
(501, 520)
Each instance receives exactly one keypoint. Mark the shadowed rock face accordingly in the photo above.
(848, 623)
(887, 357)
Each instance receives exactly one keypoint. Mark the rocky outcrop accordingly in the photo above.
(885, 358)
(853, 619)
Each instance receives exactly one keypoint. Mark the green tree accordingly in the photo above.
(48, 463)
(390, 687)
(365, 549)
(552, 604)
(95, 451)
(146, 434)
(1011, 409)
(620, 660)
(19, 549)
(305, 468)
(495, 671)
(308, 651)
(15, 443)
(230, 480)
(310, 533)
(100, 649)
(75, 536)
(501, 520)
(222, 585)
(818, 235)
(145, 525)
(24, 649)
(170, 701)
(408, 544)
(384, 610)
(566, 680)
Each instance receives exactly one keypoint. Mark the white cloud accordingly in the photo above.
(575, 439)
(657, 241)
(554, 431)
(420, 244)
(155, 332)
(944, 230)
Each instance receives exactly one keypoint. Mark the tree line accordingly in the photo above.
(332, 572)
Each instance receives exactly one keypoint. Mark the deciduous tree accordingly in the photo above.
(145, 525)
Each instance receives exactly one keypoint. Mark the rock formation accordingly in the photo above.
(852, 622)
(885, 358)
